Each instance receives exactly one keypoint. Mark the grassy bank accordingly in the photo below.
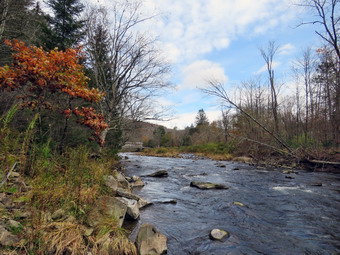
(214, 151)
(46, 198)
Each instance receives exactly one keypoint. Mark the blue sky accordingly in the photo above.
(220, 39)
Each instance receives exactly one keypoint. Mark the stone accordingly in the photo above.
(88, 231)
(3, 197)
(124, 193)
(107, 207)
(160, 173)
(111, 183)
(122, 182)
(317, 184)
(288, 172)
(132, 207)
(238, 203)
(7, 238)
(58, 214)
(150, 241)
(218, 234)
(136, 181)
(236, 168)
(289, 177)
(207, 185)
(171, 201)
(143, 203)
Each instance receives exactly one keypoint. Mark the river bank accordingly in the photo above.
(325, 163)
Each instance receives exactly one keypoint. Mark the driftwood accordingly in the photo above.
(312, 164)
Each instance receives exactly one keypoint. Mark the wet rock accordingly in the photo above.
(143, 203)
(126, 157)
(221, 165)
(238, 203)
(58, 214)
(132, 207)
(172, 201)
(289, 177)
(207, 185)
(218, 234)
(236, 168)
(288, 171)
(160, 173)
(107, 207)
(317, 184)
(136, 181)
(150, 241)
(7, 238)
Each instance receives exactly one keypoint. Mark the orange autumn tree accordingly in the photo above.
(38, 74)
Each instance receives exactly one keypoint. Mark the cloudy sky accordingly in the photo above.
(220, 39)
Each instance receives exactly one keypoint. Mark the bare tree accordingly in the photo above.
(268, 56)
(304, 69)
(126, 64)
(216, 89)
(4, 4)
(327, 15)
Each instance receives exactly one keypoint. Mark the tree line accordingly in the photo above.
(121, 63)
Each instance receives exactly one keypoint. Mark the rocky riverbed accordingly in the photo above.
(252, 210)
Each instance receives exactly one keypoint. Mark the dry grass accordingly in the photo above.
(64, 238)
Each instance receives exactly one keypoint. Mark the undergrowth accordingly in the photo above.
(71, 182)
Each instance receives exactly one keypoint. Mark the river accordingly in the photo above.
(282, 213)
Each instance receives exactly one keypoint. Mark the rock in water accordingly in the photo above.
(160, 173)
(207, 185)
(150, 241)
(218, 234)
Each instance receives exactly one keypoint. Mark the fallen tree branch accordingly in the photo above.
(8, 174)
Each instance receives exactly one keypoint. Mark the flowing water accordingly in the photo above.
(280, 215)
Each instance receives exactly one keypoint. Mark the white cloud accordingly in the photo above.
(286, 49)
(264, 67)
(192, 29)
(198, 73)
(186, 119)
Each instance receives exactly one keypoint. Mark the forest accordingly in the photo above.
(77, 81)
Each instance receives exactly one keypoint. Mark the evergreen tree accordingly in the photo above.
(201, 118)
(65, 28)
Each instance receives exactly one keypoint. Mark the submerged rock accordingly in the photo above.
(207, 185)
(218, 234)
(238, 203)
(160, 173)
(150, 241)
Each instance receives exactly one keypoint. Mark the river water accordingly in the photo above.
(280, 215)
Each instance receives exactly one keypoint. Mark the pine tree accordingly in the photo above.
(201, 118)
(65, 28)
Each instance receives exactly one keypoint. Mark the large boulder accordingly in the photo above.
(127, 194)
(207, 185)
(160, 173)
(150, 242)
(107, 207)
(132, 207)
